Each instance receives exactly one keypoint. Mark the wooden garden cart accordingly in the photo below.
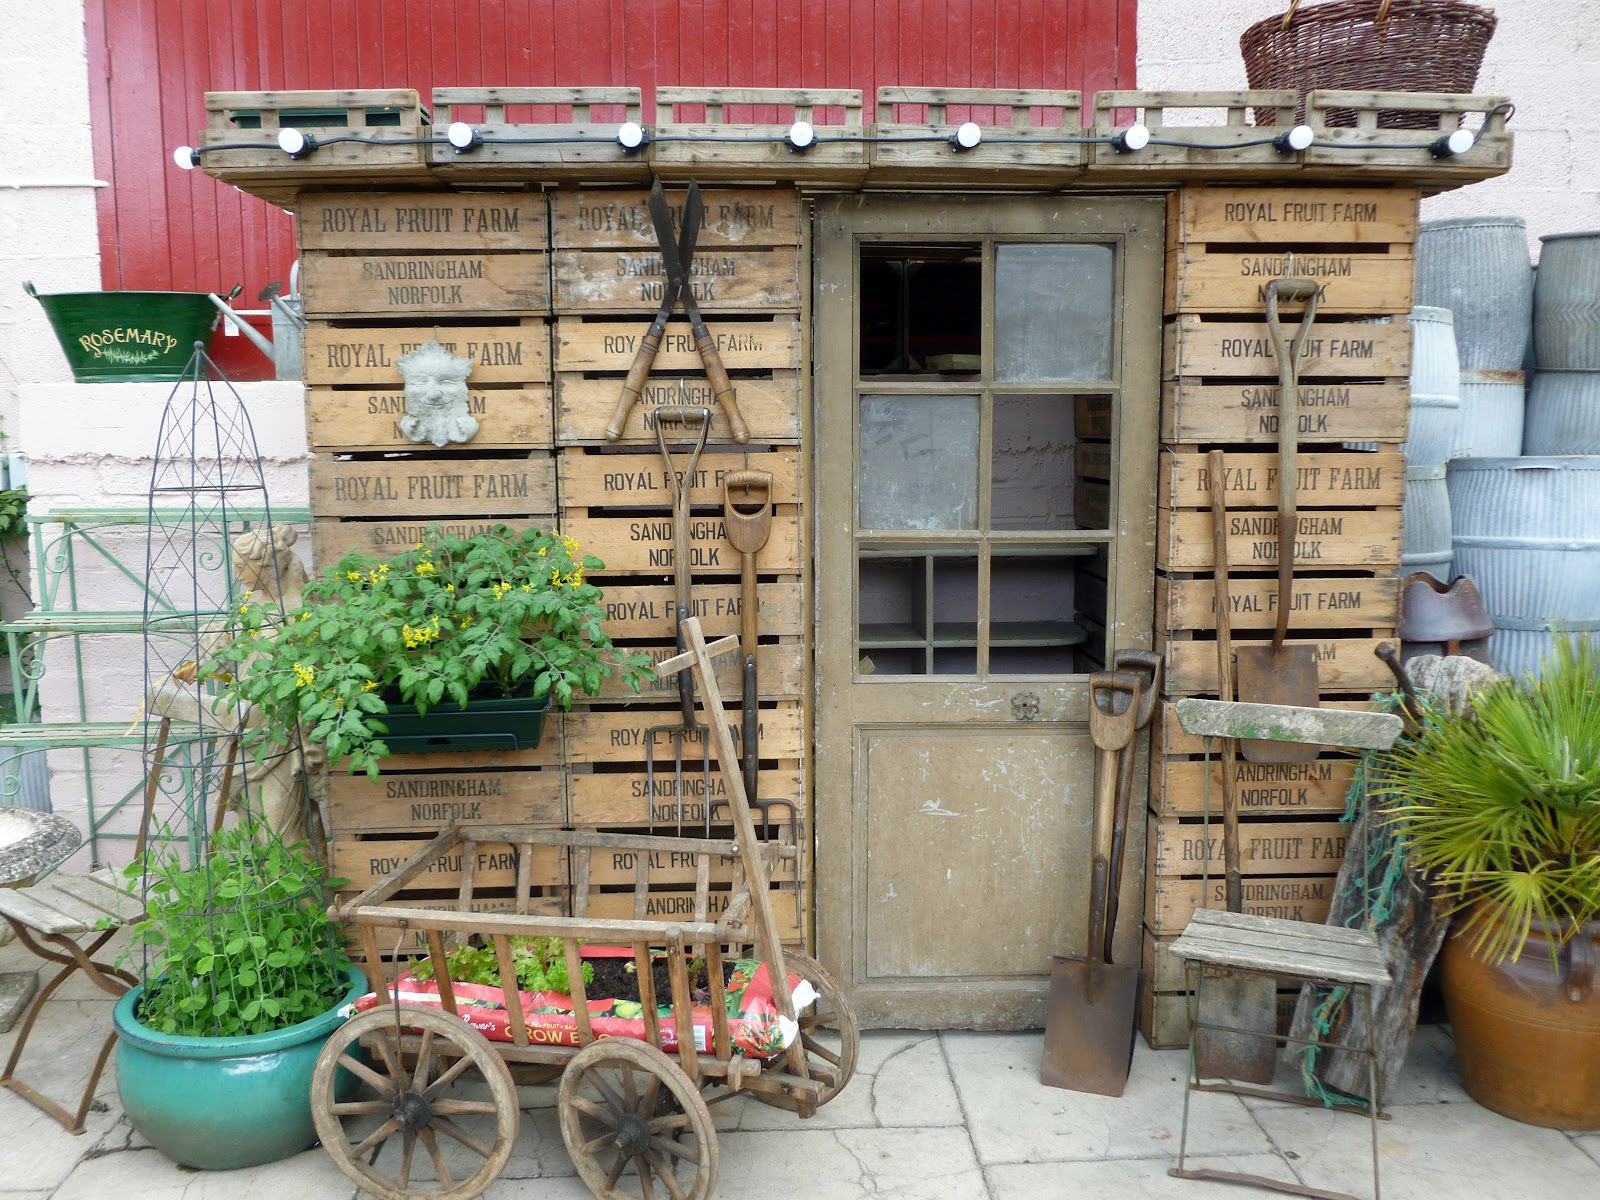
(634, 1116)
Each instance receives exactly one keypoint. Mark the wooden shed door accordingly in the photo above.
(986, 390)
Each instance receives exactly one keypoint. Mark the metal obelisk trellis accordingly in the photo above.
(206, 489)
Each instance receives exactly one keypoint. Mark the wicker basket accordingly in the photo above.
(1369, 45)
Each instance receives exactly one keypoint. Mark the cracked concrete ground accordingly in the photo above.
(929, 1116)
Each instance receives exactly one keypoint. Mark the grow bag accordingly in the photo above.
(127, 337)
(756, 1027)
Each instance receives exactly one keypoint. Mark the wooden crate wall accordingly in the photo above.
(382, 273)
(748, 278)
(1224, 245)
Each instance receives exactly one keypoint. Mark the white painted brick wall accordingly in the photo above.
(92, 445)
(1543, 55)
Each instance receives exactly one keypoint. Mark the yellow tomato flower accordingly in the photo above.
(353, 576)
(303, 675)
(370, 686)
(427, 568)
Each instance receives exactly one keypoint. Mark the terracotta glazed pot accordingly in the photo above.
(1528, 1032)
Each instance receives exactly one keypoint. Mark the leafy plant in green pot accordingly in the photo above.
(1502, 806)
(246, 979)
(493, 626)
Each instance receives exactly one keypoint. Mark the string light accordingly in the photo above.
(966, 137)
(1295, 140)
(463, 137)
(630, 136)
(801, 136)
(294, 143)
(1134, 137)
(1453, 144)
(186, 157)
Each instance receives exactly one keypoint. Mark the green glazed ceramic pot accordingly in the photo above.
(227, 1102)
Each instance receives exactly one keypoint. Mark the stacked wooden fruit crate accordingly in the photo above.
(629, 771)
(383, 273)
(1224, 246)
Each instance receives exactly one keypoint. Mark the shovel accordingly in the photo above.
(1275, 673)
(1088, 1032)
(1246, 1002)
(747, 517)
(1146, 666)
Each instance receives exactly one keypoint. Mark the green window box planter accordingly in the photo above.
(228, 1102)
(128, 337)
(495, 723)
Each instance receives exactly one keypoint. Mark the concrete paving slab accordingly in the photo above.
(1126, 1179)
(1433, 1151)
(901, 1079)
(1589, 1144)
(147, 1175)
(36, 1152)
(852, 1164)
(1014, 1118)
(1430, 1074)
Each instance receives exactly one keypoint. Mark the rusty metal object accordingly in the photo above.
(1146, 666)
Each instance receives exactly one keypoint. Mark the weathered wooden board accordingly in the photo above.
(1164, 970)
(620, 800)
(1091, 504)
(1343, 664)
(369, 419)
(465, 283)
(1265, 847)
(333, 539)
(613, 868)
(679, 906)
(770, 408)
(418, 221)
(365, 863)
(621, 736)
(1251, 480)
(755, 345)
(1202, 281)
(591, 218)
(499, 353)
(634, 280)
(1178, 787)
(454, 486)
(413, 942)
(643, 545)
(1325, 538)
(639, 480)
(1341, 603)
(1248, 412)
(1169, 902)
(1282, 215)
(1092, 460)
(648, 610)
(400, 802)
(1093, 415)
(781, 671)
(1168, 737)
(1192, 347)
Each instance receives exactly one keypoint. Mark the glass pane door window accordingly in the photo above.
(985, 382)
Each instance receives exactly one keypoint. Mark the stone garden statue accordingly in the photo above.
(436, 396)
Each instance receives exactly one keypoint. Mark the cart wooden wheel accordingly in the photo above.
(827, 1031)
(465, 1141)
(635, 1125)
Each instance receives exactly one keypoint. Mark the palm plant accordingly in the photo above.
(1502, 805)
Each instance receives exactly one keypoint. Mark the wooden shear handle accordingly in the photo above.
(638, 373)
(721, 385)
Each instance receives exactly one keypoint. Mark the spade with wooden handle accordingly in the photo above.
(747, 517)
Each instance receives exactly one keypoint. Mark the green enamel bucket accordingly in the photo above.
(128, 337)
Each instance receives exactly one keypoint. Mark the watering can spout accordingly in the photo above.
(244, 326)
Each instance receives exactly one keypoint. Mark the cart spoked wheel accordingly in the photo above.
(441, 1130)
(635, 1126)
(827, 1031)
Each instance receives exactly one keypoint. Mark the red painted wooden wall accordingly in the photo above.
(150, 61)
